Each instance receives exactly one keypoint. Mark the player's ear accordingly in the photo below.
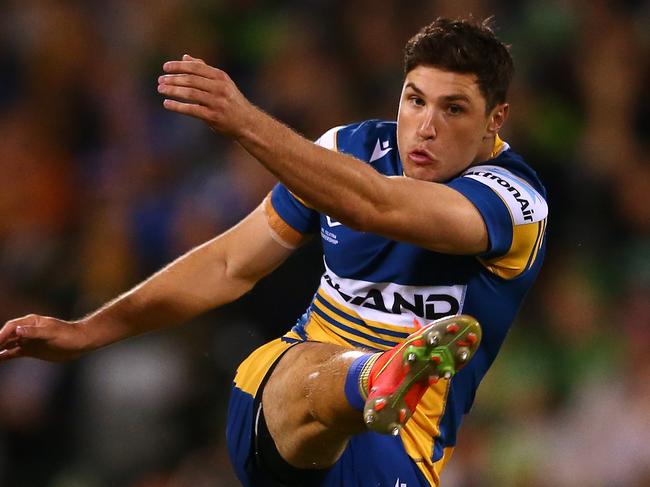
(497, 118)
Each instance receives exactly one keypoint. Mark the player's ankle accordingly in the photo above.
(357, 380)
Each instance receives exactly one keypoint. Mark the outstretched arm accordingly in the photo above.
(439, 218)
(213, 274)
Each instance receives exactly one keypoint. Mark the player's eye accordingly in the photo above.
(454, 109)
(417, 101)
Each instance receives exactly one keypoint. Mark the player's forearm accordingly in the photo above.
(333, 183)
(191, 285)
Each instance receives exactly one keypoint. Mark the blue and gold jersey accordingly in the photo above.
(372, 287)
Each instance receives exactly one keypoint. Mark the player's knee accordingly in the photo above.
(304, 387)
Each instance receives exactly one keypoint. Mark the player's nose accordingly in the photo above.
(426, 126)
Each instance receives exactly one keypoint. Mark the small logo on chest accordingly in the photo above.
(331, 222)
(381, 149)
(326, 234)
(329, 236)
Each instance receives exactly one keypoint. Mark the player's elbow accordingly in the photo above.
(238, 279)
(364, 207)
(354, 218)
(361, 215)
(371, 210)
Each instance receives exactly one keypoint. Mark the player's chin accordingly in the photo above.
(423, 173)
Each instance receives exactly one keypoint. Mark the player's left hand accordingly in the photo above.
(194, 88)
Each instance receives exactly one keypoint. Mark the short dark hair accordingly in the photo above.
(464, 46)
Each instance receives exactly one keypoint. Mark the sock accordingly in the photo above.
(356, 382)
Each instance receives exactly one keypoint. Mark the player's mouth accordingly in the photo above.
(421, 157)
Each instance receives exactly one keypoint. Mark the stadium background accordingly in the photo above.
(99, 187)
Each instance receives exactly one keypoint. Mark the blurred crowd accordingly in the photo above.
(100, 187)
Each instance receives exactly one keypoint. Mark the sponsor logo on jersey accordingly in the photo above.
(526, 204)
(394, 303)
(381, 149)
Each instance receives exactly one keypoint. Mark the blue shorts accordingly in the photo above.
(370, 459)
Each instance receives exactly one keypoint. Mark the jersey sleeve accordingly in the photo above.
(290, 218)
(514, 214)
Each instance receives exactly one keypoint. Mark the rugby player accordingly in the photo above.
(430, 225)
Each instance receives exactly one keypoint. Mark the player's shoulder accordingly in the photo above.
(361, 138)
(368, 128)
(516, 183)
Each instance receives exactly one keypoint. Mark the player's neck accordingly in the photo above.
(489, 149)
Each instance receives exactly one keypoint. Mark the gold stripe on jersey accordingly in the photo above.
(286, 233)
(526, 241)
(292, 335)
(498, 146)
(540, 240)
(376, 335)
(401, 329)
(370, 334)
(251, 372)
(419, 432)
(320, 327)
(319, 330)
(440, 464)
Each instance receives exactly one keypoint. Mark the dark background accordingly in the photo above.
(100, 187)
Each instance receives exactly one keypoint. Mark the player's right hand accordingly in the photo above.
(192, 87)
(42, 337)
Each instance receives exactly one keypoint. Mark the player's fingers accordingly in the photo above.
(9, 353)
(187, 81)
(14, 342)
(196, 111)
(193, 67)
(8, 331)
(188, 94)
(187, 57)
(10, 344)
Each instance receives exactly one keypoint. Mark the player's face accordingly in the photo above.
(442, 127)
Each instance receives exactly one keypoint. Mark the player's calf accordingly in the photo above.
(305, 407)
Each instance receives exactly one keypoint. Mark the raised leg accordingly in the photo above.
(308, 412)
